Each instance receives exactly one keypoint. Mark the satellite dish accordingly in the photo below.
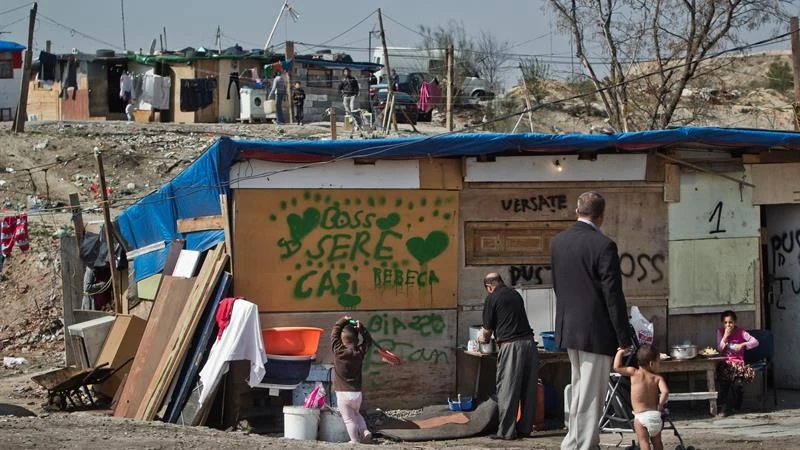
(153, 47)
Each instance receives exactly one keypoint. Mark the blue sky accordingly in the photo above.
(97, 24)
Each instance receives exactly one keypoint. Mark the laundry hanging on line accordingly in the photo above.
(197, 93)
(14, 229)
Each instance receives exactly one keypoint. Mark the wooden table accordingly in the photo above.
(698, 364)
(545, 358)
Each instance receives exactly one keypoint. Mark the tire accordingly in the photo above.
(679, 447)
(691, 447)
(479, 94)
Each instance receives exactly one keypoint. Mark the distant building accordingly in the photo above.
(10, 74)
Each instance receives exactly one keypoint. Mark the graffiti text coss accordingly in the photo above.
(334, 243)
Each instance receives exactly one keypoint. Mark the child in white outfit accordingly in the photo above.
(649, 394)
(348, 356)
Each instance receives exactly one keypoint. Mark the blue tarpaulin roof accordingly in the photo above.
(8, 46)
(195, 192)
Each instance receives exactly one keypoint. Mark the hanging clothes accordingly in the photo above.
(48, 63)
(14, 229)
(430, 94)
(197, 93)
(156, 90)
(125, 86)
(69, 78)
(162, 86)
(234, 79)
(241, 339)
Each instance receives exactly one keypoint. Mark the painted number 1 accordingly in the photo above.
(716, 212)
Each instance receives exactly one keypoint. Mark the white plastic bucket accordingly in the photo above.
(300, 422)
(331, 427)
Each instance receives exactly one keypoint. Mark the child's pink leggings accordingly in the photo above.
(349, 404)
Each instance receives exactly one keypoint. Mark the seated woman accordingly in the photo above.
(732, 373)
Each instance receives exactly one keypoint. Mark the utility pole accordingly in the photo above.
(124, 42)
(793, 24)
(450, 75)
(289, 56)
(22, 106)
(120, 304)
(387, 71)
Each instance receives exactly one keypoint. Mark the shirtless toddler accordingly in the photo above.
(649, 394)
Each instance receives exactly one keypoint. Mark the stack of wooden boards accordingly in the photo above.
(178, 308)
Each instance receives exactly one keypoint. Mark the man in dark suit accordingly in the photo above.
(591, 315)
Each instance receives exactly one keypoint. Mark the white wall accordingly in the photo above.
(543, 168)
(9, 92)
(345, 174)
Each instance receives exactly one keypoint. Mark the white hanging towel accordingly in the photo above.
(241, 340)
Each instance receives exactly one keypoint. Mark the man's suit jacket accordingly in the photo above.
(591, 314)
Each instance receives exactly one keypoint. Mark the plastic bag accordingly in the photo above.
(316, 398)
(642, 326)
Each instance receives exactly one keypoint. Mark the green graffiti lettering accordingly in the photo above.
(397, 325)
(398, 277)
(320, 248)
(362, 237)
(339, 250)
(290, 247)
(432, 278)
(412, 277)
(380, 248)
(299, 292)
(326, 284)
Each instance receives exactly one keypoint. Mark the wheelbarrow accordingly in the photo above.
(70, 384)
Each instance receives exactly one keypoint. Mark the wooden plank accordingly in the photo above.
(146, 249)
(200, 224)
(324, 250)
(655, 170)
(172, 296)
(192, 363)
(776, 183)
(713, 272)
(72, 270)
(426, 340)
(771, 157)
(173, 255)
(510, 242)
(672, 183)
(441, 173)
(683, 396)
(182, 332)
(226, 225)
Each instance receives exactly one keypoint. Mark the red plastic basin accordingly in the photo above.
(291, 341)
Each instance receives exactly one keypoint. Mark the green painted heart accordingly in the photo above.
(299, 227)
(349, 301)
(389, 221)
(424, 250)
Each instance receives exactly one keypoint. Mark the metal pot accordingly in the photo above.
(685, 351)
(489, 348)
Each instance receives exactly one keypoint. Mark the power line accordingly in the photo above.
(3, 27)
(351, 28)
(74, 31)
(14, 9)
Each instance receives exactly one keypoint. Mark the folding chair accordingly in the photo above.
(760, 359)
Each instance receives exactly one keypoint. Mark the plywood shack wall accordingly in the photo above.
(714, 234)
(508, 230)
(328, 250)
(424, 339)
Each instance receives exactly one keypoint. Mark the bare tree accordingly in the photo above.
(641, 54)
(492, 55)
(436, 40)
